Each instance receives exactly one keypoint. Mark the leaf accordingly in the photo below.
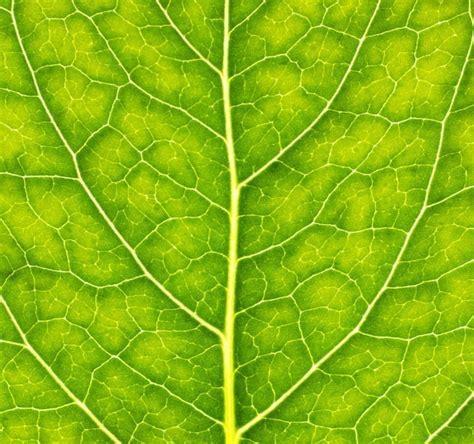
(227, 221)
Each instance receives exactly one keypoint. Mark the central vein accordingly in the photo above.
(228, 339)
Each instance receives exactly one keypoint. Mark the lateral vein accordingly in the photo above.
(389, 278)
(92, 198)
(450, 419)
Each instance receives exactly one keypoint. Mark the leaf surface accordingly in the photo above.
(231, 221)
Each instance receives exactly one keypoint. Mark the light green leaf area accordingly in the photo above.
(236, 221)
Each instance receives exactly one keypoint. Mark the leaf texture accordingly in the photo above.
(231, 221)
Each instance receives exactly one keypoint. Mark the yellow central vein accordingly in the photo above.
(228, 339)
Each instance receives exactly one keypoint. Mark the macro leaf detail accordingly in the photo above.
(231, 221)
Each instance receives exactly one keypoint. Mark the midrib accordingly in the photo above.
(228, 339)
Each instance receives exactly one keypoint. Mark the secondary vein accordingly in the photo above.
(56, 378)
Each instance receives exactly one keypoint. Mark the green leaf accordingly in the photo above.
(231, 221)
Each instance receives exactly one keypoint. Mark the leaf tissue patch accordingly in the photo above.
(236, 221)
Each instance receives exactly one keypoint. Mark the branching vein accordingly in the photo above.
(92, 198)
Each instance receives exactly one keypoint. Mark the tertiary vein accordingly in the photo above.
(186, 40)
(324, 110)
(131, 81)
